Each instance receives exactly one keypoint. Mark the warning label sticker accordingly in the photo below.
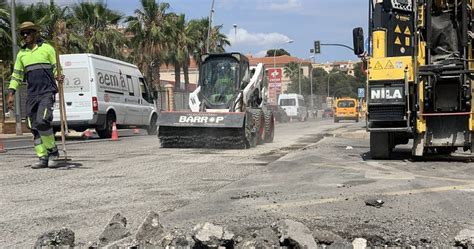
(389, 65)
(397, 41)
(398, 30)
(378, 66)
(407, 31)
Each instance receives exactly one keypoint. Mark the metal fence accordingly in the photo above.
(181, 100)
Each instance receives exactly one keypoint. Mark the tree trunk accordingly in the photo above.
(149, 77)
(186, 76)
(157, 76)
(177, 76)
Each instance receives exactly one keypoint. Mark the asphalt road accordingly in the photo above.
(26, 141)
(315, 172)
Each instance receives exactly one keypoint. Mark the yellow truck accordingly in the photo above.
(346, 109)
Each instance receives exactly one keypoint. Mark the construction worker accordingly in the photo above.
(36, 64)
(225, 82)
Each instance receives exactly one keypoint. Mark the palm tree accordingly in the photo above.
(180, 46)
(99, 27)
(198, 31)
(218, 40)
(291, 70)
(54, 23)
(150, 28)
(5, 37)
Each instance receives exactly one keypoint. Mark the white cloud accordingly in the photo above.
(246, 38)
(288, 5)
(262, 53)
(58, 2)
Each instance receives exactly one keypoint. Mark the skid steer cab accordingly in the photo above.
(227, 110)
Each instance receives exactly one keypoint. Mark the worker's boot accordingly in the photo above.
(53, 158)
(41, 163)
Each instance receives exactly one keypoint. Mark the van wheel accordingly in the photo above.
(107, 132)
(152, 129)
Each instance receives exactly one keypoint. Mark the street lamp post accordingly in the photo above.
(311, 86)
(299, 75)
(211, 16)
(235, 33)
(18, 128)
(274, 52)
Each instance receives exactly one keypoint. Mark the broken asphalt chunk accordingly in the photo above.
(378, 203)
(114, 231)
(56, 238)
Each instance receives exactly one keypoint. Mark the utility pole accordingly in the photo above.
(18, 129)
(211, 16)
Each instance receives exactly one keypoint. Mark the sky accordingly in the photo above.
(261, 25)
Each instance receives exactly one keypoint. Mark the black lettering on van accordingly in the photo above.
(101, 78)
(114, 80)
(107, 80)
(77, 81)
(122, 81)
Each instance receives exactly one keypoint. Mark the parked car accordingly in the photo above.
(279, 113)
(328, 113)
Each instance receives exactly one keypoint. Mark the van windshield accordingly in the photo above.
(75, 80)
(346, 103)
(287, 102)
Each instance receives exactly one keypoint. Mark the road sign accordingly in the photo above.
(274, 75)
(361, 92)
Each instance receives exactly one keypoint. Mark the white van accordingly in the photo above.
(294, 106)
(99, 91)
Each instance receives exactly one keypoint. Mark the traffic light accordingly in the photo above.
(317, 47)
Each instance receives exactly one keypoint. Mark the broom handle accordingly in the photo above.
(62, 106)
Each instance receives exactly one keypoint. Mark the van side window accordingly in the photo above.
(144, 90)
(130, 85)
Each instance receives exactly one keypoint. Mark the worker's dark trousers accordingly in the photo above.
(39, 116)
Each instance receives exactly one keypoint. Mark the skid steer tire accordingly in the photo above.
(380, 145)
(249, 131)
(259, 121)
(269, 126)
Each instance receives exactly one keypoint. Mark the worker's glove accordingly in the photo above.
(60, 78)
(11, 100)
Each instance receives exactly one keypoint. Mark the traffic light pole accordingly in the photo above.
(337, 45)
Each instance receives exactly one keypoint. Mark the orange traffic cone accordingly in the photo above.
(114, 132)
(2, 147)
(87, 134)
(136, 131)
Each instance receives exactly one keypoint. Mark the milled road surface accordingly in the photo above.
(316, 172)
(131, 176)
